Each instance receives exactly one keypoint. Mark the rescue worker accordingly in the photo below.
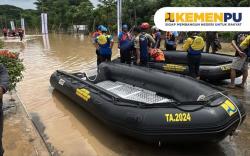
(143, 43)
(211, 39)
(240, 43)
(4, 80)
(171, 40)
(125, 45)
(94, 36)
(104, 44)
(194, 45)
(157, 36)
(20, 33)
(136, 32)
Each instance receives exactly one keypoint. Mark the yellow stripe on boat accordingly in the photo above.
(174, 67)
(83, 93)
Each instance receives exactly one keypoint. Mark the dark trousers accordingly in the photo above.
(1, 128)
(21, 37)
(125, 57)
(143, 63)
(106, 58)
(194, 65)
(98, 61)
(208, 44)
(170, 47)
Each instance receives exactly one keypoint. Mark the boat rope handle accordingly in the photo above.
(85, 74)
(235, 107)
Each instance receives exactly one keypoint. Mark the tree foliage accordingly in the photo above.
(210, 3)
(8, 13)
(62, 14)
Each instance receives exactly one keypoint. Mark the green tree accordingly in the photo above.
(62, 14)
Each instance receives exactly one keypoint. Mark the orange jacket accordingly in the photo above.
(157, 54)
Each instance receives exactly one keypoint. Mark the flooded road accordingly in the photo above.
(71, 131)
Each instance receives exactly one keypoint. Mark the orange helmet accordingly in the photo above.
(145, 26)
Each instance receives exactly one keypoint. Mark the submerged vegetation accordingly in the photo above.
(63, 14)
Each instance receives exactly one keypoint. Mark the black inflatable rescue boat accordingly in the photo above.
(153, 106)
(214, 67)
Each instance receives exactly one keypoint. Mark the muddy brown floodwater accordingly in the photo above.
(71, 131)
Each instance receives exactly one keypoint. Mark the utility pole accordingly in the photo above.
(119, 15)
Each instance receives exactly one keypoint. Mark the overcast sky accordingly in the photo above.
(28, 4)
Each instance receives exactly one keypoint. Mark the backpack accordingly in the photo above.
(197, 45)
(102, 39)
(124, 37)
(157, 55)
(143, 40)
(126, 43)
(104, 44)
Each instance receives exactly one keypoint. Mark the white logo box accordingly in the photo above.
(203, 19)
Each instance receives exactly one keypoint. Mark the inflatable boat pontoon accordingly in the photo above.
(153, 106)
(214, 67)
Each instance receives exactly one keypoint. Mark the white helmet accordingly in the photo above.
(155, 28)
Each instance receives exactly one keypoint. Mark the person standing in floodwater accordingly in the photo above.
(20, 33)
(211, 39)
(125, 44)
(4, 80)
(104, 43)
(143, 42)
(94, 36)
(171, 40)
(157, 37)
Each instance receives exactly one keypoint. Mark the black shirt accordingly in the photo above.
(239, 37)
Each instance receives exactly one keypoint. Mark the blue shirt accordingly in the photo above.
(105, 49)
(124, 40)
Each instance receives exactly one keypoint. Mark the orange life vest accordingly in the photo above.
(157, 54)
(96, 33)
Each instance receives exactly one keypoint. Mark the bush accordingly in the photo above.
(14, 66)
(226, 36)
